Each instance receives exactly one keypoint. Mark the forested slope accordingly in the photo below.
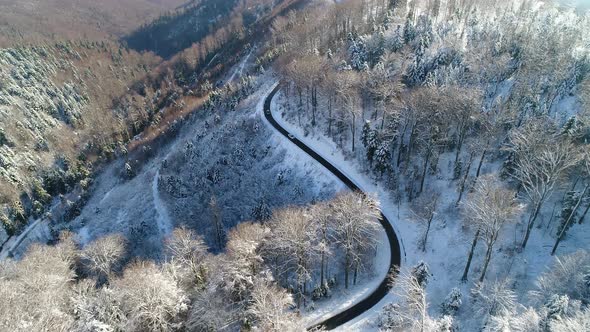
(474, 116)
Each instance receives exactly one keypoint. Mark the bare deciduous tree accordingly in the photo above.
(294, 239)
(211, 311)
(541, 161)
(356, 227)
(570, 218)
(188, 250)
(423, 211)
(35, 291)
(321, 215)
(347, 93)
(268, 307)
(491, 207)
(410, 313)
(102, 255)
(150, 298)
(565, 276)
(494, 299)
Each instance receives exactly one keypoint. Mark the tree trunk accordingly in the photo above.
(383, 119)
(346, 270)
(483, 155)
(464, 180)
(427, 231)
(306, 100)
(411, 141)
(353, 129)
(330, 116)
(322, 269)
(470, 256)
(567, 222)
(584, 214)
(459, 144)
(314, 104)
(530, 224)
(488, 257)
(401, 144)
(323, 263)
(426, 160)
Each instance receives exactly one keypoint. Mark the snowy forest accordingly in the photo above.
(161, 179)
(474, 117)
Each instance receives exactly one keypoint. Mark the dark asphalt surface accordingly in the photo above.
(394, 244)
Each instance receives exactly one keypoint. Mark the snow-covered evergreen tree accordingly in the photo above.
(396, 42)
(383, 158)
(452, 302)
(358, 53)
(421, 272)
(261, 211)
(370, 140)
(409, 30)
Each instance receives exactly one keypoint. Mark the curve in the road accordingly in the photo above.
(394, 245)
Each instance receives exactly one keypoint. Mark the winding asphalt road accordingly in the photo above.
(394, 244)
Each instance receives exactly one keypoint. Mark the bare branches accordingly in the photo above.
(355, 226)
(35, 292)
(268, 307)
(490, 207)
(423, 211)
(149, 297)
(542, 159)
(494, 299)
(188, 251)
(102, 255)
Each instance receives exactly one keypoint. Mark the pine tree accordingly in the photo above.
(388, 19)
(508, 166)
(422, 273)
(575, 129)
(3, 138)
(457, 170)
(423, 32)
(377, 48)
(416, 72)
(452, 302)
(370, 140)
(397, 41)
(329, 54)
(382, 158)
(409, 30)
(358, 54)
(261, 211)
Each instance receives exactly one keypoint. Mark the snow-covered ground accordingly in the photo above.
(239, 70)
(449, 241)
